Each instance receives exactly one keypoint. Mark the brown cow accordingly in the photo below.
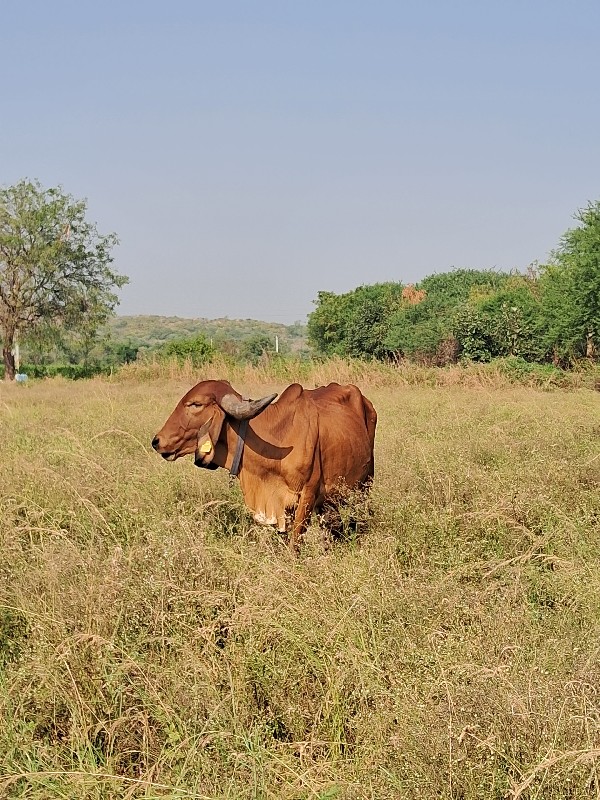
(295, 454)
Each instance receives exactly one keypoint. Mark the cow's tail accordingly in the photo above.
(370, 417)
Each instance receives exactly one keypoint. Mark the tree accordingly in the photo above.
(354, 323)
(255, 346)
(366, 329)
(196, 349)
(54, 267)
(570, 290)
(327, 323)
(512, 319)
(433, 315)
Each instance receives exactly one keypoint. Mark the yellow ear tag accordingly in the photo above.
(206, 447)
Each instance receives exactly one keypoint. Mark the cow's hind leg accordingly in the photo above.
(347, 514)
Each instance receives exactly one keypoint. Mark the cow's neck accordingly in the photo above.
(262, 440)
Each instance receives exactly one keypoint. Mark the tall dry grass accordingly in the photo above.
(500, 373)
(154, 642)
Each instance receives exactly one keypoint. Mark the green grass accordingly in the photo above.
(156, 643)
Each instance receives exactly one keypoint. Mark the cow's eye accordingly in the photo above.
(195, 405)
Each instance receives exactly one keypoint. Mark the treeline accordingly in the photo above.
(58, 293)
(128, 339)
(150, 331)
(551, 314)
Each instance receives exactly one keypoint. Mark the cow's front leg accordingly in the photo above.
(282, 522)
(304, 509)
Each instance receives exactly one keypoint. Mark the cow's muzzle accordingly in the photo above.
(166, 454)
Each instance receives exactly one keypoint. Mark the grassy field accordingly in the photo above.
(156, 643)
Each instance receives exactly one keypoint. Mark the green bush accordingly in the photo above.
(196, 349)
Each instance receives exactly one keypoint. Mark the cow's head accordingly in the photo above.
(195, 424)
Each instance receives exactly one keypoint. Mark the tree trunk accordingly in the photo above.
(9, 362)
(590, 350)
(555, 357)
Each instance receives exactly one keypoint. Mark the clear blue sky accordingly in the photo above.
(249, 154)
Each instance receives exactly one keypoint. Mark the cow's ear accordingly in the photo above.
(208, 436)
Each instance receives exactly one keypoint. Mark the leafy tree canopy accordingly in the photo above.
(426, 329)
(449, 289)
(54, 267)
(257, 346)
(570, 290)
(353, 323)
(196, 349)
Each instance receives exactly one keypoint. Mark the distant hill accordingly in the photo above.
(150, 331)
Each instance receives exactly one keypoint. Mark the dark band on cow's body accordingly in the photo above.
(239, 448)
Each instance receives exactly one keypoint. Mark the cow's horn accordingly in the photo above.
(245, 409)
